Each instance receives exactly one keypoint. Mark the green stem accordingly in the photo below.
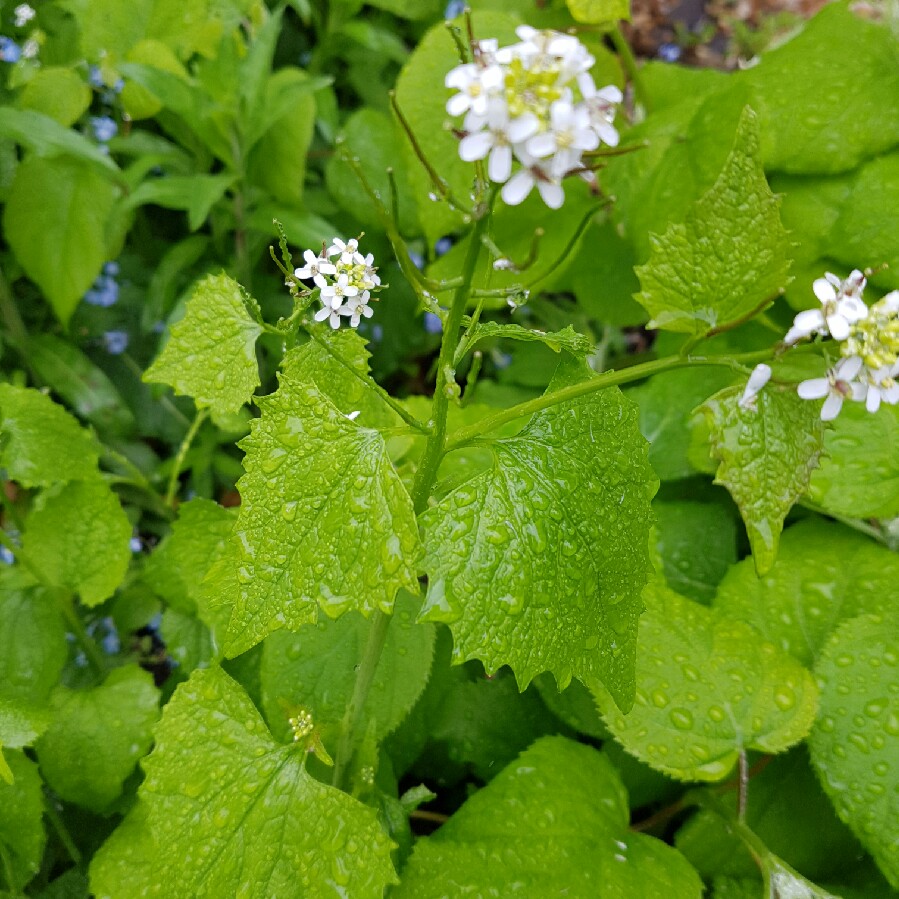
(93, 654)
(62, 831)
(137, 479)
(371, 655)
(371, 384)
(8, 872)
(626, 55)
(9, 312)
(600, 382)
(182, 452)
(434, 449)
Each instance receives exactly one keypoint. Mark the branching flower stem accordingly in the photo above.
(600, 382)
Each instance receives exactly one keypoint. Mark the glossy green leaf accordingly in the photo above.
(822, 118)
(567, 339)
(666, 403)
(325, 521)
(97, 736)
(40, 442)
(78, 537)
(315, 669)
(22, 835)
(126, 865)
(33, 647)
(599, 12)
(21, 723)
(197, 540)
(47, 138)
(235, 813)
(188, 641)
(697, 543)
(538, 563)
(195, 194)
(766, 455)
(824, 574)
(555, 821)
(708, 689)
(211, 352)
(859, 472)
(55, 221)
(85, 387)
(855, 740)
(728, 258)
(56, 92)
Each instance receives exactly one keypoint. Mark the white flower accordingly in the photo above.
(316, 267)
(836, 387)
(335, 294)
(346, 251)
(519, 186)
(841, 307)
(23, 15)
(475, 84)
(569, 135)
(601, 106)
(332, 313)
(370, 278)
(357, 307)
(882, 387)
(760, 376)
(497, 140)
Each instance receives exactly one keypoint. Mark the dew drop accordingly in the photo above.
(682, 719)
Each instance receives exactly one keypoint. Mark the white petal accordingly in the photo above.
(319, 281)
(303, 272)
(500, 165)
(846, 369)
(824, 290)
(891, 301)
(814, 388)
(475, 146)
(522, 128)
(838, 327)
(872, 402)
(890, 394)
(607, 134)
(586, 139)
(552, 193)
(457, 105)
(760, 376)
(852, 309)
(334, 320)
(610, 94)
(831, 408)
(859, 391)
(322, 314)
(809, 320)
(837, 283)
(542, 145)
(517, 188)
(587, 85)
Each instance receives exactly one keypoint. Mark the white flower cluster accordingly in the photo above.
(534, 102)
(869, 345)
(345, 279)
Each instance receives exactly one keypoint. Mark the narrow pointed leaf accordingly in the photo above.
(211, 353)
(325, 520)
(708, 689)
(567, 339)
(728, 258)
(553, 823)
(233, 813)
(766, 458)
(40, 442)
(855, 741)
(538, 563)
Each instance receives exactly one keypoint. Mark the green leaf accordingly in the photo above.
(187, 640)
(33, 647)
(574, 705)
(57, 92)
(97, 737)
(666, 403)
(538, 563)
(324, 521)
(824, 574)
(859, 472)
(855, 740)
(198, 538)
(728, 259)
(195, 194)
(553, 822)
(822, 118)
(567, 339)
(126, 866)
(21, 723)
(40, 443)
(708, 689)
(21, 826)
(78, 537)
(766, 457)
(55, 221)
(47, 138)
(82, 385)
(697, 543)
(599, 12)
(261, 825)
(316, 669)
(211, 353)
